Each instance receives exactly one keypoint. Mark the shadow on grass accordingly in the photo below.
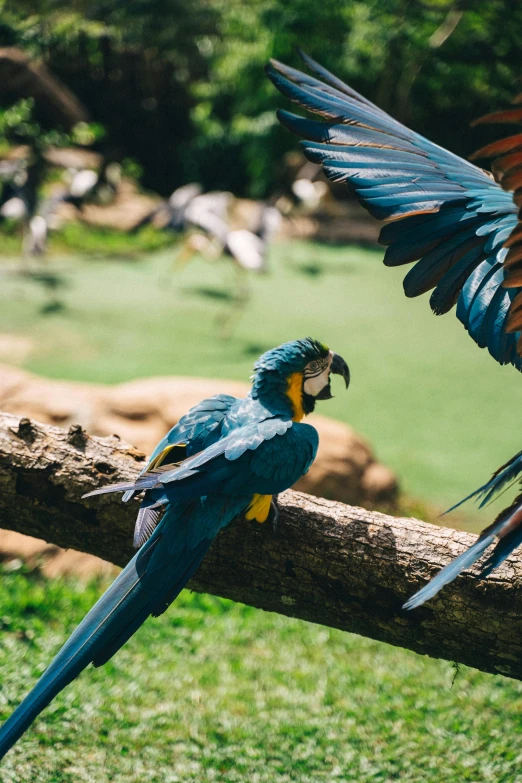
(52, 308)
(316, 270)
(255, 349)
(217, 294)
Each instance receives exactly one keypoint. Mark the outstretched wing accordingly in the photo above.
(447, 214)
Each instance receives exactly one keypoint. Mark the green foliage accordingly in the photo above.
(16, 116)
(180, 85)
(98, 241)
(216, 691)
(394, 52)
(131, 64)
(19, 126)
(238, 137)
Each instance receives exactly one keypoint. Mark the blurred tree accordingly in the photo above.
(179, 84)
(132, 64)
(436, 64)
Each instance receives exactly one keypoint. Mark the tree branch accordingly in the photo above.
(22, 77)
(328, 563)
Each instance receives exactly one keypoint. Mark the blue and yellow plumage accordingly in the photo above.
(459, 223)
(224, 459)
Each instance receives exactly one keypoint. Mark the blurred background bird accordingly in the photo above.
(213, 229)
(37, 213)
(19, 202)
(225, 458)
(458, 222)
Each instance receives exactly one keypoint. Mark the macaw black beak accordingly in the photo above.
(339, 367)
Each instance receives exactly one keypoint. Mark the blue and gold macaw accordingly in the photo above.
(224, 459)
(459, 223)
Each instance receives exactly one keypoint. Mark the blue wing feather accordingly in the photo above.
(198, 428)
(450, 284)
(435, 199)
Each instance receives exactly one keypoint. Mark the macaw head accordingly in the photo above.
(296, 374)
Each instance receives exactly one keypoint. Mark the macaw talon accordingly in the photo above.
(274, 513)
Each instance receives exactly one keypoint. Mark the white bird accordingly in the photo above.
(249, 249)
(309, 193)
(205, 218)
(14, 208)
(82, 182)
(188, 207)
(35, 239)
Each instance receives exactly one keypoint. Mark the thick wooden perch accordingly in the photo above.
(328, 563)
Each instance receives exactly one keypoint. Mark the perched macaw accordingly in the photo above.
(460, 223)
(224, 459)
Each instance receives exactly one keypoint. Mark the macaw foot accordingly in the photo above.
(274, 512)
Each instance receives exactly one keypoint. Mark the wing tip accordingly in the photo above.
(109, 489)
(304, 56)
(426, 593)
(414, 602)
(274, 68)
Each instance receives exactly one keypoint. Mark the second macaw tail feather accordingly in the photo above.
(450, 572)
(501, 478)
(507, 528)
(149, 583)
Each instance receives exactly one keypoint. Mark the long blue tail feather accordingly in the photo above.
(509, 538)
(507, 528)
(450, 572)
(148, 584)
(502, 551)
(507, 473)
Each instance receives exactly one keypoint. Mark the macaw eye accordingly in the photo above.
(314, 365)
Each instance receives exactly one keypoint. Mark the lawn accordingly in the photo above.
(216, 691)
(435, 407)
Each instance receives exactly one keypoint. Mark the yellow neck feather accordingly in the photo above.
(294, 393)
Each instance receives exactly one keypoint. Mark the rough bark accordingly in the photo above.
(328, 563)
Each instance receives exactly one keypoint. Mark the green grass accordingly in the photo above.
(216, 691)
(78, 237)
(435, 407)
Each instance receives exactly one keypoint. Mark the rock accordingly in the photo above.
(52, 560)
(379, 484)
(15, 348)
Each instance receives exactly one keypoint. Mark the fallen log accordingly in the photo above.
(326, 562)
